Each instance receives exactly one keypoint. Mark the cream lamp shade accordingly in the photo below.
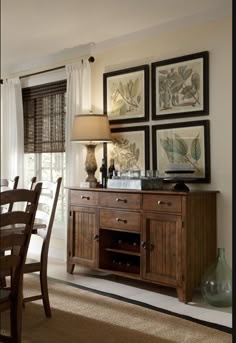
(91, 129)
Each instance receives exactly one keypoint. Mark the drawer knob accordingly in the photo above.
(144, 245)
(85, 197)
(96, 237)
(119, 220)
(163, 203)
(121, 200)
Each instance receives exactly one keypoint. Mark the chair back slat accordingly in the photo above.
(12, 240)
(16, 217)
(13, 196)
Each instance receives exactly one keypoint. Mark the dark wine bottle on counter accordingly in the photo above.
(103, 174)
(111, 169)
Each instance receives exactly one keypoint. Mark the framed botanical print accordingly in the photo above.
(182, 147)
(129, 148)
(126, 95)
(180, 87)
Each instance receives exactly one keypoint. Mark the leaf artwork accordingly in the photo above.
(179, 87)
(125, 96)
(176, 150)
(125, 154)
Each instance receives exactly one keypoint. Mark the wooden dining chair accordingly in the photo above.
(15, 231)
(7, 184)
(45, 214)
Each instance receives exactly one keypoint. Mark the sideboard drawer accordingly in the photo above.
(122, 220)
(87, 198)
(120, 200)
(162, 203)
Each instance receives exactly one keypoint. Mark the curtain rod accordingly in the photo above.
(91, 59)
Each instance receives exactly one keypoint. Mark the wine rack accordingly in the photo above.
(119, 251)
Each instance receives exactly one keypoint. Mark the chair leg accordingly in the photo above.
(16, 321)
(44, 290)
(3, 282)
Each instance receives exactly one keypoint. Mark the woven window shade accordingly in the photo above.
(44, 109)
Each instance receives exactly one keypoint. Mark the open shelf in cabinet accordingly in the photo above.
(119, 251)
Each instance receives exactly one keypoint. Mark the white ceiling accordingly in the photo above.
(33, 29)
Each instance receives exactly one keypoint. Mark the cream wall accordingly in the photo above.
(216, 37)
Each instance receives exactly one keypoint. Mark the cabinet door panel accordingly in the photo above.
(84, 229)
(161, 248)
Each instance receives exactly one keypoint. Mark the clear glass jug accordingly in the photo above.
(216, 285)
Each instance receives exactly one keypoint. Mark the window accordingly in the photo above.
(44, 110)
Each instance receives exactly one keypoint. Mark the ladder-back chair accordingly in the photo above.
(45, 213)
(15, 231)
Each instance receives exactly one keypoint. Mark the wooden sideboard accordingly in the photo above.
(162, 237)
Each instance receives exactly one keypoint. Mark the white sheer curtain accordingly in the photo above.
(78, 102)
(12, 130)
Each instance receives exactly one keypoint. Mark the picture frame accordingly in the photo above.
(183, 144)
(126, 95)
(129, 148)
(180, 86)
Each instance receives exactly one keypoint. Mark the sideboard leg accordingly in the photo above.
(184, 295)
(70, 267)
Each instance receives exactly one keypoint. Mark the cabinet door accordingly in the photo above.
(161, 248)
(83, 236)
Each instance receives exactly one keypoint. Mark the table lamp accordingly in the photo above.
(90, 130)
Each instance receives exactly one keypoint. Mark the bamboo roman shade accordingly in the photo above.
(44, 109)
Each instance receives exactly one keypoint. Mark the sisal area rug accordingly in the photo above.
(81, 316)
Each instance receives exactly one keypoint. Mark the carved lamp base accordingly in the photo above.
(91, 165)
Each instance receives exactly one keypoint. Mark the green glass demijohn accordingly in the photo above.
(216, 285)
